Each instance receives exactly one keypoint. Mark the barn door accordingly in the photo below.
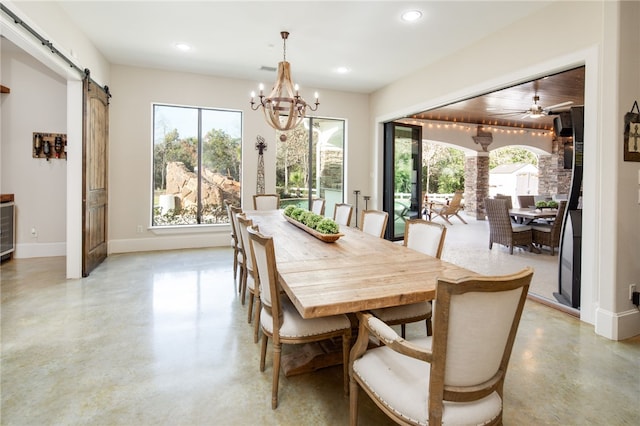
(95, 144)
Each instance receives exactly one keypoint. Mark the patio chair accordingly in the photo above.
(445, 211)
(428, 238)
(456, 376)
(526, 201)
(281, 322)
(549, 234)
(342, 214)
(502, 230)
(266, 202)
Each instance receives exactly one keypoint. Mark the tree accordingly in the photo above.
(292, 156)
(443, 169)
(221, 153)
(511, 155)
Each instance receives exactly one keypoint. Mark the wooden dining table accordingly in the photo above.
(356, 273)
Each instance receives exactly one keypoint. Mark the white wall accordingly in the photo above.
(136, 89)
(37, 103)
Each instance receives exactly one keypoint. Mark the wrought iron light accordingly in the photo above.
(284, 109)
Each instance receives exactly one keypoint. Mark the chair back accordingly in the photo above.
(265, 272)
(266, 202)
(456, 201)
(556, 227)
(342, 214)
(425, 237)
(474, 329)
(525, 201)
(232, 222)
(507, 198)
(235, 211)
(317, 206)
(243, 224)
(498, 216)
(374, 222)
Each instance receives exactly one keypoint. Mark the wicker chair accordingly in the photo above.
(526, 201)
(549, 235)
(502, 230)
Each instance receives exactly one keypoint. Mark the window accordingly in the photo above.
(310, 163)
(196, 164)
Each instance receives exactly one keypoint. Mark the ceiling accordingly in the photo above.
(238, 38)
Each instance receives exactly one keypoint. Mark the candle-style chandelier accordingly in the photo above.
(284, 109)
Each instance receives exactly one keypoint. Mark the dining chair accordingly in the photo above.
(266, 202)
(234, 240)
(526, 201)
(502, 230)
(428, 238)
(249, 282)
(455, 376)
(342, 214)
(374, 222)
(235, 211)
(549, 234)
(317, 206)
(446, 211)
(281, 322)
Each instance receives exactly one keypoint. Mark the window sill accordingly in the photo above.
(189, 229)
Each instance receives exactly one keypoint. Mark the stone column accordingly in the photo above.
(476, 184)
(553, 178)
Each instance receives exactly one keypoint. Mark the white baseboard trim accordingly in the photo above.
(169, 242)
(617, 325)
(25, 251)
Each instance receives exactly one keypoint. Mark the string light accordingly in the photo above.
(491, 128)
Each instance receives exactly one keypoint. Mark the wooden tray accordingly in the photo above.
(327, 238)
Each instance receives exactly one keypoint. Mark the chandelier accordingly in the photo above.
(284, 109)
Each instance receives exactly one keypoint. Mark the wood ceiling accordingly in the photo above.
(507, 107)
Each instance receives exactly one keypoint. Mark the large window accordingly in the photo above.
(196, 164)
(310, 163)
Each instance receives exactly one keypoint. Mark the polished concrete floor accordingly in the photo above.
(161, 338)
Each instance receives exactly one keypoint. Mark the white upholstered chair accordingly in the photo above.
(428, 238)
(235, 211)
(317, 206)
(234, 240)
(456, 376)
(374, 222)
(342, 214)
(248, 280)
(281, 322)
(266, 202)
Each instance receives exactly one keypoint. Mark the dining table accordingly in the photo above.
(525, 216)
(358, 272)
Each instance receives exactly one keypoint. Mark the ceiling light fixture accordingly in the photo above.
(284, 109)
(182, 46)
(411, 15)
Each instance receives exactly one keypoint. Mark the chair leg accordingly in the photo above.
(256, 320)
(460, 217)
(276, 376)
(353, 402)
(429, 326)
(250, 310)
(243, 284)
(403, 330)
(235, 262)
(263, 351)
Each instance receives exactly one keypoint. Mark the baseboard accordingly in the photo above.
(169, 242)
(618, 325)
(25, 251)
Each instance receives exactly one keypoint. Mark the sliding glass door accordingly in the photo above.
(402, 188)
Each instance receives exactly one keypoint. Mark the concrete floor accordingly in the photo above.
(161, 338)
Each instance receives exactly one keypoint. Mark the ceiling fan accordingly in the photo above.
(536, 110)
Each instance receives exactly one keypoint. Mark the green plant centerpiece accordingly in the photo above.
(323, 228)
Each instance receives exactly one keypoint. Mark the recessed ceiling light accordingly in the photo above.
(342, 70)
(411, 15)
(182, 46)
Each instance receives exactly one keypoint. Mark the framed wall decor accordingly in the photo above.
(632, 134)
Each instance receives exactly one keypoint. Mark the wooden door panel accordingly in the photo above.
(95, 176)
